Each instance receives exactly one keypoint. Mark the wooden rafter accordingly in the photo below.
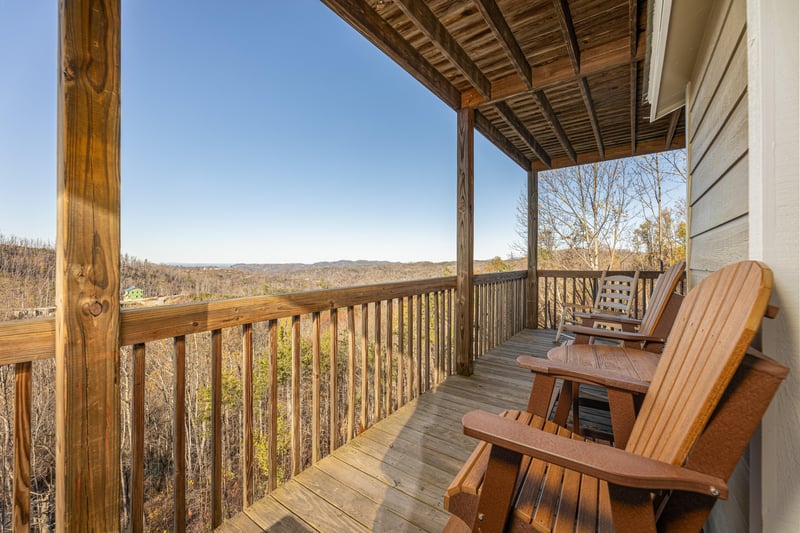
(634, 104)
(527, 137)
(589, 103)
(361, 16)
(550, 117)
(612, 152)
(633, 19)
(571, 42)
(568, 32)
(673, 125)
(426, 21)
(485, 127)
(495, 19)
(595, 60)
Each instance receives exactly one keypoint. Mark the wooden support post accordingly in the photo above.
(87, 267)
(465, 240)
(532, 290)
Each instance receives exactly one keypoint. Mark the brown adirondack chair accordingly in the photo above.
(614, 297)
(648, 334)
(651, 331)
(698, 415)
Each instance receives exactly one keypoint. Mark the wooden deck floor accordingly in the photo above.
(393, 476)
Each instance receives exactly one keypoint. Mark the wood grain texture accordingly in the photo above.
(137, 439)
(248, 471)
(297, 437)
(363, 421)
(272, 406)
(22, 447)
(87, 266)
(316, 422)
(216, 428)
(465, 206)
(505, 36)
(179, 430)
(333, 382)
(351, 373)
(524, 133)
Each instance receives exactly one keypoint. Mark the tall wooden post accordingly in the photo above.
(532, 304)
(465, 238)
(87, 267)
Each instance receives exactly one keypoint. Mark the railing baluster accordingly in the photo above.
(315, 392)
(377, 364)
(333, 399)
(248, 484)
(427, 342)
(22, 446)
(401, 355)
(351, 371)
(179, 427)
(216, 428)
(137, 440)
(418, 383)
(389, 356)
(437, 339)
(297, 437)
(272, 464)
(363, 423)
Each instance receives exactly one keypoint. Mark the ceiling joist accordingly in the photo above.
(568, 32)
(550, 117)
(527, 137)
(419, 12)
(583, 85)
(673, 125)
(495, 19)
(596, 60)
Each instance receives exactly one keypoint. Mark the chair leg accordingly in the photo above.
(564, 402)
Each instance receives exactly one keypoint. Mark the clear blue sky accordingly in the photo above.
(253, 131)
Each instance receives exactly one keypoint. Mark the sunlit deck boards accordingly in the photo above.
(393, 476)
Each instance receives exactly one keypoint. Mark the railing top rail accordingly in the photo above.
(30, 340)
(643, 274)
(496, 277)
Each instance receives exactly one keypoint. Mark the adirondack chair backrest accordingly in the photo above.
(665, 286)
(712, 331)
(615, 293)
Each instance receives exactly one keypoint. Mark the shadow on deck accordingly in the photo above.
(393, 476)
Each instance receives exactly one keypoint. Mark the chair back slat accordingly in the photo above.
(665, 286)
(615, 294)
(712, 331)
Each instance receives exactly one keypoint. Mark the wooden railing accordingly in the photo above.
(382, 346)
(499, 308)
(319, 366)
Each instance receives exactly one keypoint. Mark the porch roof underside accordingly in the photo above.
(554, 83)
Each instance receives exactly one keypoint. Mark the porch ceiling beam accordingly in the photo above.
(633, 19)
(550, 117)
(673, 125)
(595, 60)
(634, 104)
(568, 32)
(363, 18)
(487, 129)
(612, 152)
(428, 23)
(516, 124)
(497, 22)
(583, 85)
(571, 42)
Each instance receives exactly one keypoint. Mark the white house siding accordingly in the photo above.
(717, 119)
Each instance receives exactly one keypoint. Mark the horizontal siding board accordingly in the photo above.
(725, 201)
(729, 146)
(730, 90)
(726, 23)
(721, 246)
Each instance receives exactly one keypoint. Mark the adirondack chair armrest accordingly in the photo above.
(611, 334)
(589, 376)
(603, 462)
(572, 305)
(604, 317)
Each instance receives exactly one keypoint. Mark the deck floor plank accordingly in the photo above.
(393, 476)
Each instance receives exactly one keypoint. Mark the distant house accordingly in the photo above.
(133, 293)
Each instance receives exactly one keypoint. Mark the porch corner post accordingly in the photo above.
(465, 240)
(532, 288)
(87, 267)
